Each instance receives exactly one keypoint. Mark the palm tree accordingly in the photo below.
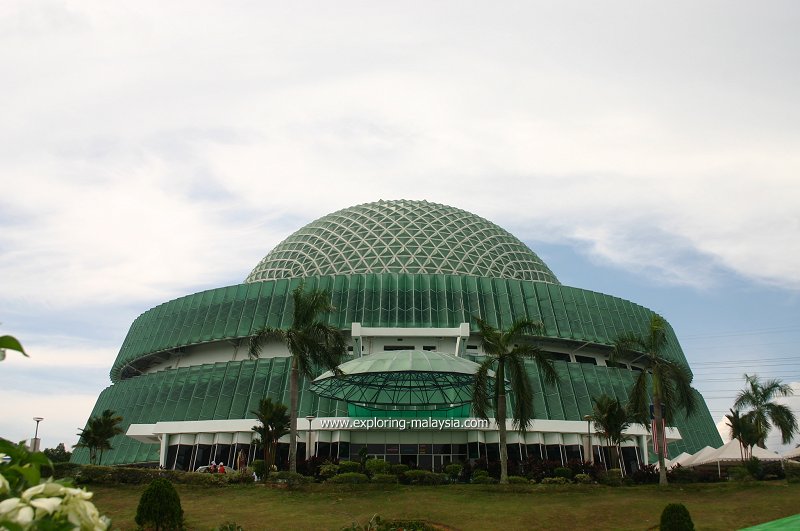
(611, 419)
(759, 398)
(274, 425)
(97, 434)
(506, 352)
(743, 428)
(666, 382)
(312, 344)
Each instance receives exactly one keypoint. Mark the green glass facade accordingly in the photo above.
(573, 318)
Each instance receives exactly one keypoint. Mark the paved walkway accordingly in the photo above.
(790, 522)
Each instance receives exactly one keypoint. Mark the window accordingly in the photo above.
(395, 347)
(585, 359)
(428, 347)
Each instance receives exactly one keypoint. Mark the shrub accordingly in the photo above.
(349, 478)
(740, 473)
(349, 466)
(675, 517)
(160, 507)
(753, 466)
(425, 477)
(792, 472)
(483, 480)
(292, 479)
(645, 474)
(384, 478)
(259, 467)
(398, 470)
(377, 466)
(240, 477)
(562, 472)
(517, 480)
(679, 474)
(65, 470)
(453, 470)
(480, 474)
(583, 479)
(229, 526)
(555, 481)
(328, 470)
(612, 477)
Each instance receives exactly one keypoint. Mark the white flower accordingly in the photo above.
(4, 486)
(6, 506)
(49, 505)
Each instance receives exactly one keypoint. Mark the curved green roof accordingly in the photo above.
(402, 237)
(401, 378)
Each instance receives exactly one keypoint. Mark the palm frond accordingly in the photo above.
(523, 394)
(481, 403)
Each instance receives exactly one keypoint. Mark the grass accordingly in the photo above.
(466, 507)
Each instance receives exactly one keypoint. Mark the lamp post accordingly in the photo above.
(309, 418)
(35, 441)
(588, 419)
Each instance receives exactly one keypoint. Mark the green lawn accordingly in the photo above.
(466, 507)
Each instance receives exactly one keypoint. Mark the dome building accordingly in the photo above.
(407, 279)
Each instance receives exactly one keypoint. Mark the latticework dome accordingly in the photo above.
(402, 236)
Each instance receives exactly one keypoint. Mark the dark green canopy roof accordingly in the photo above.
(401, 378)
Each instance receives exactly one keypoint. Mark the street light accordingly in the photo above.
(35, 441)
(309, 418)
(588, 419)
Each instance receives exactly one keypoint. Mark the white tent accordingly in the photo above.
(731, 452)
(792, 454)
(698, 456)
(679, 460)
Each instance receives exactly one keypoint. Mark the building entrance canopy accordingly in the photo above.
(401, 378)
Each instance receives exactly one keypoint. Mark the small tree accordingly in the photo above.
(766, 413)
(59, 454)
(274, 424)
(160, 507)
(97, 434)
(611, 419)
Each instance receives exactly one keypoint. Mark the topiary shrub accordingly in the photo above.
(483, 480)
(480, 474)
(555, 481)
(328, 470)
(675, 517)
(398, 470)
(384, 478)
(349, 478)
(562, 472)
(349, 466)
(679, 474)
(583, 479)
(611, 477)
(453, 470)
(517, 480)
(377, 466)
(425, 477)
(160, 507)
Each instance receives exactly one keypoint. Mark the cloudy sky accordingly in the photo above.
(148, 151)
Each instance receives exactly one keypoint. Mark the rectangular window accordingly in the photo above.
(585, 359)
(428, 347)
(396, 347)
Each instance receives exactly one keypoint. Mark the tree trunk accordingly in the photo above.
(661, 434)
(267, 451)
(501, 423)
(293, 392)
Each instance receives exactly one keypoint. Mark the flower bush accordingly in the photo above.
(29, 502)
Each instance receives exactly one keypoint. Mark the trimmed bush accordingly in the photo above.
(517, 480)
(349, 478)
(562, 472)
(675, 517)
(679, 474)
(740, 473)
(290, 478)
(398, 470)
(453, 470)
(160, 507)
(425, 477)
(349, 466)
(377, 466)
(384, 478)
(483, 480)
(480, 474)
(555, 481)
(583, 479)
(328, 470)
(611, 477)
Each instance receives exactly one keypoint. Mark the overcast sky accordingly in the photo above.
(646, 150)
